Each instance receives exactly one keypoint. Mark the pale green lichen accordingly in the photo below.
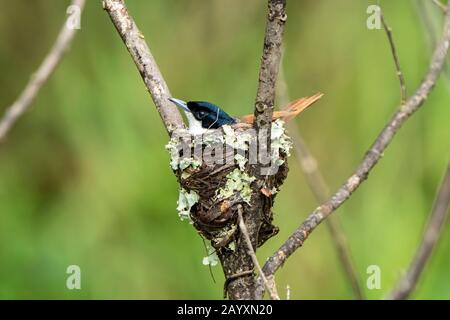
(241, 161)
(229, 134)
(239, 141)
(280, 141)
(189, 162)
(213, 139)
(224, 236)
(185, 202)
(211, 259)
(237, 181)
(172, 148)
(182, 163)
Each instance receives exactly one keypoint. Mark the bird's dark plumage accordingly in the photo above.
(210, 115)
(204, 115)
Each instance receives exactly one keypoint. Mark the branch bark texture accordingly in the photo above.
(398, 69)
(258, 216)
(270, 285)
(270, 62)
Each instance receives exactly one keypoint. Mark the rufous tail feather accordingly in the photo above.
(288, 112)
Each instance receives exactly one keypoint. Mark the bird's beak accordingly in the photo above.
(180, 103)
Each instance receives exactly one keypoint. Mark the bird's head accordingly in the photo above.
(203, 114)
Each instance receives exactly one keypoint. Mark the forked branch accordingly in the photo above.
(398, 69)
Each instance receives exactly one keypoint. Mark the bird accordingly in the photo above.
(203, 116)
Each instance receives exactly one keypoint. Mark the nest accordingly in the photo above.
(217, 173)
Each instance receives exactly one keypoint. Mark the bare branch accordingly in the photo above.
(400, 76)
(440, 5)
(146, 64)
(38, 79)
(372, 157)
(271, 287)
(422, 10)
(270, 61)
(320, 190)
(432, 233)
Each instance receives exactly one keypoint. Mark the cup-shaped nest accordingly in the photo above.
(224, 168)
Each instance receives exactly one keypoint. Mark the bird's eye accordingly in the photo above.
(202, 113)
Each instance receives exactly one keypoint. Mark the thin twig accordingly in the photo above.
(270, 61)
(41, 76)
(271, 287)
(422, 10)
(146, 64)
(398, 69)
(316, 182)
(408, 282)
(372, 157)
(432, 233)
(441, 6)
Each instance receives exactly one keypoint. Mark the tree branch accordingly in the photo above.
(371, 158)
(270, 61)
(437, 216)
(422, 10)
(432, 233)
(240, 284)
(440, 5)
(146, 64)
(38, 79)
(398, 69)
(271, 287)
(316, 182)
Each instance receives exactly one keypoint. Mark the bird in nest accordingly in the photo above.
(203, 115)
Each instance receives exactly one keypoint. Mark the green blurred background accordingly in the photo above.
(85, 179)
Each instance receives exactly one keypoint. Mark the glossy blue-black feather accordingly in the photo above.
(210, 115)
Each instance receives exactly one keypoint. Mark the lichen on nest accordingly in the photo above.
(210, 192)
(186, 200)
(237, 181)
(211, 259)
(280, 141)
(177, 162)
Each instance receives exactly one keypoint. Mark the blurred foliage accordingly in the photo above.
(85, 179)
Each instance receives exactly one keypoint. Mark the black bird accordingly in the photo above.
(204, 115)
